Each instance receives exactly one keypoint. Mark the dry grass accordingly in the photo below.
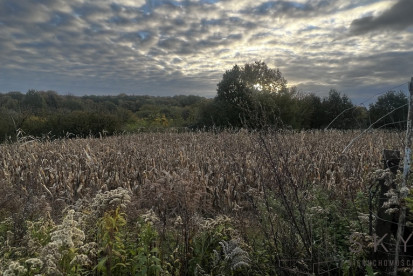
(188, 175)
(215, 171)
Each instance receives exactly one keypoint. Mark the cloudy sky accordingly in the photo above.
(169, 47)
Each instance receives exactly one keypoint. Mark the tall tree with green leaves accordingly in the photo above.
(239, 83)
(393, 107)
(242, 87)
(337, 111)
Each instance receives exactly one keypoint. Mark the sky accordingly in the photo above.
(182, 47)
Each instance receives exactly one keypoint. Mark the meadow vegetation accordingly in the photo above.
(200, 203)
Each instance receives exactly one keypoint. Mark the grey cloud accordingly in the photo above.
(216, 40)
(176, 45)
(120, 20)
(398, 17)
(290, 8)
(142, 40)
(282, 7)
(99, 43)
(351, 75)
(172, 47)
(60, 19)
(89, 9)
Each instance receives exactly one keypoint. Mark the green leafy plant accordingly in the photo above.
(112, 251)
(145, 253)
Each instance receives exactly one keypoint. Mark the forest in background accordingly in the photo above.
(46, 113)
(251, 96)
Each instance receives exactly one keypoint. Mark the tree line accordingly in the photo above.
(46, 113)
(255, 95)
(252, 95)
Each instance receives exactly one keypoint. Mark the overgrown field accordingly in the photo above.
(188, 204)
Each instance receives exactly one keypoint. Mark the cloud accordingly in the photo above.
(165, 47)
(398, 17)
